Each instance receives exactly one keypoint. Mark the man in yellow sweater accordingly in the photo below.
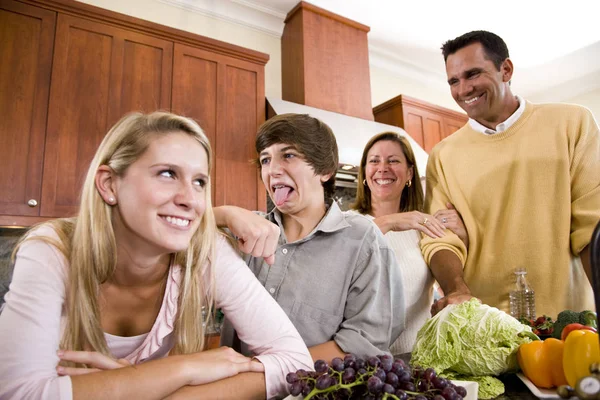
(525, 178)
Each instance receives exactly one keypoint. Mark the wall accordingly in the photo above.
(590, 99)
(386, 85)
(164, 14)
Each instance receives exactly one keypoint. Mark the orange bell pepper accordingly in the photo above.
(581, 350)
(542, 362)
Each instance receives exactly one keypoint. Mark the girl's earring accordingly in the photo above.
(364, 182)
(409, 183)
(111, 200)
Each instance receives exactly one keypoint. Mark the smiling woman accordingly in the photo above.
(161, 203)
(392, 197)
(124, 283)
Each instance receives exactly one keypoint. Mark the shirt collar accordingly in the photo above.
(503, 126)
(333, 220)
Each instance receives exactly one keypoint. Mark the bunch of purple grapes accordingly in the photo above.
(376, 378)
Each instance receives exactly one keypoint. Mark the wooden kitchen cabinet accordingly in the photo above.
(426, 123)
(71, 70)
(100, 73)
(26, 45)
(226, 96)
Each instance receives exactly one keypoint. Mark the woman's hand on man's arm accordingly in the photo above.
(405, 221)
(452, 220)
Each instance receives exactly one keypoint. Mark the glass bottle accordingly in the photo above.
(522, 297)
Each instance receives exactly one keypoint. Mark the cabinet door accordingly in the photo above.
(100, 72)
(414, 124)
(26, 41)
(226, 96)
(451, 125)
(423, 126)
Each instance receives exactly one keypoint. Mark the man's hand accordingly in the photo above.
(452, 298)
(447, 270)
(255, 235)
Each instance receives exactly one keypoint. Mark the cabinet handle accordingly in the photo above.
(32, 203)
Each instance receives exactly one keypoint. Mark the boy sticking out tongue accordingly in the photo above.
(332, 272)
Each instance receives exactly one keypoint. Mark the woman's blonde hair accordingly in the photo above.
(88, 241)
(412, 196)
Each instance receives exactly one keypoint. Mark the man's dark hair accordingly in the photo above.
(493, 45)
(312, 138)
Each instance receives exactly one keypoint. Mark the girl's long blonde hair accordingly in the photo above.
(88, 241)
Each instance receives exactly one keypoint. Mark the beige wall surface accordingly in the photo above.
(386, 85)
(200, 24)
(590, 100)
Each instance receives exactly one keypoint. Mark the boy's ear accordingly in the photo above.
(325, 178)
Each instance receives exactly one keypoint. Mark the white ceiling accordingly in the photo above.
(554, 45)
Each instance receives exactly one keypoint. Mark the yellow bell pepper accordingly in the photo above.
(581, 350)
(541, 362)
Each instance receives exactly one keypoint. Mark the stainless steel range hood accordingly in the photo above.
(352, 134)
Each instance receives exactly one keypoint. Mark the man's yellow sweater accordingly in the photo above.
(529, 197)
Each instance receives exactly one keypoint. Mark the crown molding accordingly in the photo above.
(240, 12)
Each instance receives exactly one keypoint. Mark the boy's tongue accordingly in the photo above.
(281, 195)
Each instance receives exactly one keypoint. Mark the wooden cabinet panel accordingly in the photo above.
(26, 44)
(226, 96)
(195, 91)
(71, 70)
(100, 72)
(426, 123)
(452, 125)
(238, 178)
(423, 126)
(325, 61)
(146, 75)
(432, 133)
(414, 126)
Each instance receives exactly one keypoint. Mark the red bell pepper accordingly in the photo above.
(574, 327)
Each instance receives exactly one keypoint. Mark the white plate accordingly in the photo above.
(540, 393)
(472, 388)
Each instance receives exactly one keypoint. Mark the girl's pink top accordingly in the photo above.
(33, 318)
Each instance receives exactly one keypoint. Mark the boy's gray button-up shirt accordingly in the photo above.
(341, 283)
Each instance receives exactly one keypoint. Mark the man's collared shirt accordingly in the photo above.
(501, 127)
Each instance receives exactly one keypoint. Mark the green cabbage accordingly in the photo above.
(470, 339)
